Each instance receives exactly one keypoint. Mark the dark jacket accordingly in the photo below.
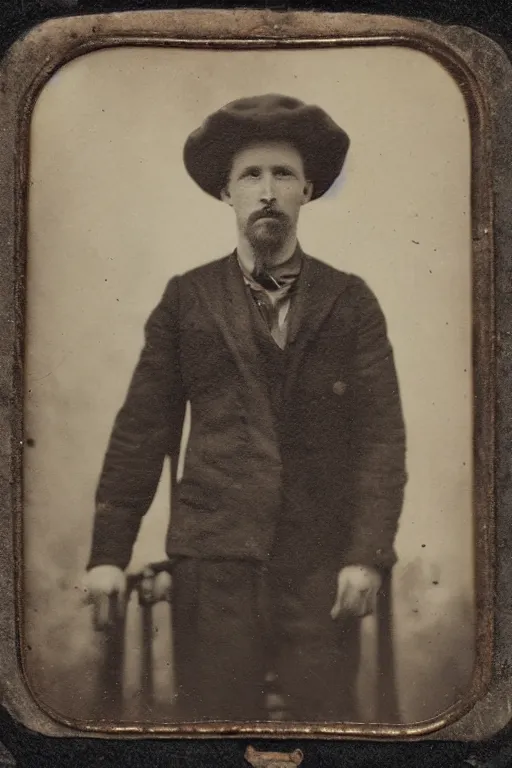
(323, 464)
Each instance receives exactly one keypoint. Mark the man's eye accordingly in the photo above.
(283, 173)
(252, 173)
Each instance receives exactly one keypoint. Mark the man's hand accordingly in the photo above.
(358, 586)
(105, 586)
(155, 587)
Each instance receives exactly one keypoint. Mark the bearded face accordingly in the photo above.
(268, 230)
(266, 189)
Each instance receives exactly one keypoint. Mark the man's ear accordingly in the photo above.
(307, 192)
(225, 196)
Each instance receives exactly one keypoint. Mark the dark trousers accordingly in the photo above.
(234, 621)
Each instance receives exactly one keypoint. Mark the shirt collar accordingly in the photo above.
(287, 272)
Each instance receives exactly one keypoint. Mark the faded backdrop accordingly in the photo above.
(112, 215)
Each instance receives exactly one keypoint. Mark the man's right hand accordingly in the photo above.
(105, 587)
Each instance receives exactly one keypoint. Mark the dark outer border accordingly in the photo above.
(25, 70)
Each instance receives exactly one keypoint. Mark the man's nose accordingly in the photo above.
(268, 191)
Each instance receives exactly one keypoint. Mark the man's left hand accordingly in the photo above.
(358, 586)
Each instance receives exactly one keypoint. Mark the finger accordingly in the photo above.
(101, 615)
(163, 587)
(147, 587)
(364, 607)
(350, 599)
(345, 600)
(117, 605)
(340, 597)
(336, 609)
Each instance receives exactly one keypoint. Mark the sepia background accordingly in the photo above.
(112, 215)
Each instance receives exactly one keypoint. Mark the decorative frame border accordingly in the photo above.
(481, 71)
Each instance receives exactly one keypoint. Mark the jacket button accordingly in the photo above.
(339, 388)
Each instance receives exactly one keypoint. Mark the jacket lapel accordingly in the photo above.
(318, 288)
(226, 299)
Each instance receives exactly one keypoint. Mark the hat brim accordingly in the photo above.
(322, 144)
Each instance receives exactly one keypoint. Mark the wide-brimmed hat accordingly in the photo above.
(323, 145)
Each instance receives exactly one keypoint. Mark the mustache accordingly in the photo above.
(267, 213)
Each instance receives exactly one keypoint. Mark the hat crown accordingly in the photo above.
(268, 105)
(322, 144)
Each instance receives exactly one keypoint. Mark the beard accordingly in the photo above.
(267, 232)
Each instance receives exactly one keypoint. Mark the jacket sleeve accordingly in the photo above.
(146, 429)
(377, 438)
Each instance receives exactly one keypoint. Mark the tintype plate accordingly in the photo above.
(98, 213)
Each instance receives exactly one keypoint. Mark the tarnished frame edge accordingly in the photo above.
(26, 69)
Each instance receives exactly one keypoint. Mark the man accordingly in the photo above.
(284, 521)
